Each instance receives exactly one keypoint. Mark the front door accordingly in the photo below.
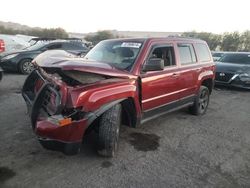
(160, 89)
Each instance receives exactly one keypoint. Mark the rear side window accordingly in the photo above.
(54, 46)
(202, 52)
(187, 54)
(74, 46)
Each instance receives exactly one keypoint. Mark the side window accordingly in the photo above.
(74, 46)
(164, 52)
(202, 52)
(54, 46)
(187, 54)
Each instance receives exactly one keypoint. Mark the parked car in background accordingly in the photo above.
(127, 81)
(22, 60)
(2, 46)
(217, 55)
(1, 73)
(233, 69)
(12, 43)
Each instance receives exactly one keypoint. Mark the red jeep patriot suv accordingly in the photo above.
(121, 81)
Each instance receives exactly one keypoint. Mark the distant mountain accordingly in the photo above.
(17, 26)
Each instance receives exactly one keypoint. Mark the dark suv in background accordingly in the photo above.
(21, 60)
(233, 69)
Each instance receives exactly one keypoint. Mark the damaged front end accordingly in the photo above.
(57, 125)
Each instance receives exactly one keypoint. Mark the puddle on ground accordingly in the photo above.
(144, 142)
(5, 174)
(106, 164)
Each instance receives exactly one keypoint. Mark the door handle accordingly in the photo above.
(175, 75)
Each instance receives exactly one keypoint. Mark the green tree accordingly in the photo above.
(213, 40)
(51, 33)
(245, 41)
(99, 36)
(231, 41)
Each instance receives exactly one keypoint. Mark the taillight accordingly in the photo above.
(2, 46)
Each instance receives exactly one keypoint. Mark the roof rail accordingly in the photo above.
(50, 39)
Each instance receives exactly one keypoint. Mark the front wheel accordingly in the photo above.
(201, 102)
(26, 66)
(109, 128)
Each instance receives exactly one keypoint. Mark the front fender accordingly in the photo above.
(91, 116)
(94, 96)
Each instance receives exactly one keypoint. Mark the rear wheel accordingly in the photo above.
(109, 129)
(201, 102)
(26, 66)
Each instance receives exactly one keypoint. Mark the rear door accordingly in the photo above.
(160, 89)
(189, 70)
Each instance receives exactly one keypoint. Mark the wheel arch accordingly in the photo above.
(21, 60)
(209, 83)
(129, 113)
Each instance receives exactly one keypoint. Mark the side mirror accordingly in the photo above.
(153, 64)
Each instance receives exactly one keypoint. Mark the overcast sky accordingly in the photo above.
(216, 16)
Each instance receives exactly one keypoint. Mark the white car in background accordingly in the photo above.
(13, 42)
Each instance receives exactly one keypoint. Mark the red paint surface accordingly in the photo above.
(157, 87)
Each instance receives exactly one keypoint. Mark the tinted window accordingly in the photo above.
(202, 52)
(236, 58)
(215, 54)
(74, 46)
(187, 54)
(164, 52)
(54, 46)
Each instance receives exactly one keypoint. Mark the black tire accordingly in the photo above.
(26, 66)
(109, 128)
(201, 102)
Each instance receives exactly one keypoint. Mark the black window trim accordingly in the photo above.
(154, 46)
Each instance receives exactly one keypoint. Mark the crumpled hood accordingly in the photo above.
(66, 61)
(231, 67)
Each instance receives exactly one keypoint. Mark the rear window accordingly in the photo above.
(202, 52)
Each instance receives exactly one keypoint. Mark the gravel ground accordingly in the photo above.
(176, 150)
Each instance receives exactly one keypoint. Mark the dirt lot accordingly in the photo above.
(176, 150)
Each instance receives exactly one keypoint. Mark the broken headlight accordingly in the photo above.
(245, 77)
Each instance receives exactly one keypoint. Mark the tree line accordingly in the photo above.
(37, 32)
(233, 41)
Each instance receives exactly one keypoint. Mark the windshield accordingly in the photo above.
(217, 54)
(236, 58)
(120, 54)
(36, 46)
